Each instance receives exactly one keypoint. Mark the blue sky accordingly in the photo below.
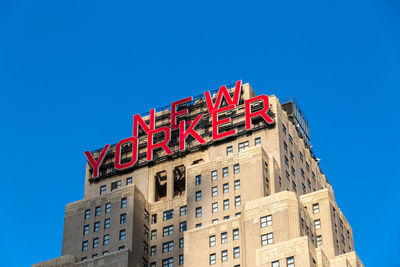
(73, 73)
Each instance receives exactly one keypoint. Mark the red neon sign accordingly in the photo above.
(186, 128)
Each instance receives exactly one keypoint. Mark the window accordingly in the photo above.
(224, 255)
(168, 262)
(153, 234)
(290, 262)
(86, 229)
(103, 189)
(123, 203)
(108, 207)
(182, 226)
(243, 146)
(237, 201)
(122, 218)
(284, 145)
(198, 180)
(122, 235)
(169, 214)
(236, 168)
(180, 259)
(153, 218)
(128, 180)
(225, 172)
(275, 264)
(287, 175)
(153, 250)
(212, 241)
(214, 207)
(106, 223)
(237, 184)
(214, 191)
(95, 242)
(315, 208)
(214, 221)
(85, 245)
(98, 211)
(224, 238)
(87, 214)
(168, 246)
(302, 173)
(168, 230)
(225, 188)
(236, 252)
(198, 212)
(181, 242)
(83, 259)
(198, 195)
(183, 210)
(226, 217)
(106, 239)
(198, 225)
(257, 141)
(290, 139)
(266, 221)
(284, 128)
(319, 240)
(214, 175)
(121, 248)
(226, 204)
(293, 170)
(212, 259)
(267, 239)
(294, 186)
(116, 185)
(105, 252)
(286, 161)
(235, 234)
(317, 224)
(96, 226)
(229, 150)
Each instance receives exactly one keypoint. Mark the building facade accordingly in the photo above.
(254, 198)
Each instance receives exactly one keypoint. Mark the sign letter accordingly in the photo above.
(184, 134)
(96, 164)
(135, 147)
(162, 144)
(262, 112)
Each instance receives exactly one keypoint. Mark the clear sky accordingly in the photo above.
(73, 74)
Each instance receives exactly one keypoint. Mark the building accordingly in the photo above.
(254, 198)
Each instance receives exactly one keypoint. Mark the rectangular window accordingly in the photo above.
(317, 224)
(182, 226)
(214, 221)
(105, 252)
(85, 245)
(225, 172)
(212, 259)
(153, 250)
(122, 235)
(267, 239)
(285, 145)
(86, 229)
(123, 203)
(168, 262)
(237, 201)
(183, 210)
(121, 248)
(284, 128)
(275, 264)
(153, 218)
(181, 242)
(319, 240)
(237, 184)
(315, 208)
(226, 204)
(198, 180)
(286, 161)
(168, 230)
(224, 255)
(226, 217)
(122, 218)
(103, 189)
(181, 259)
(290, 139)
(106, 239)
(257, 141)
(87, 214)
(98, 211)
(224, 238)
(198, 212)
(214, 191)
(301, 156)
(287, 175)
(293, 170)
(225, 188)
(95, 242)
(96, 226)
(153, 234)
(236, 252)
(108, 207)
(128, 180)
(214, 207)
(243, 146)
(198, 195)
(229, 150)
(168, 246)
(212, 241)
(266, 221)
(235, 234)
(214, 175)
(146, 215)
(167, 215)
(106, 223)
(290, 262)
(236, 168)
(115, 185)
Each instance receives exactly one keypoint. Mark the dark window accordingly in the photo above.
(169, 214)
